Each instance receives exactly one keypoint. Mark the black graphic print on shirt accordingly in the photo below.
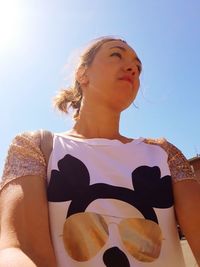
(115, 257)
(72, 182)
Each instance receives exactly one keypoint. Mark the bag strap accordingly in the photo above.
(46, 143)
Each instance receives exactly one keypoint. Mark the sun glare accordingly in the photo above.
(9, 24)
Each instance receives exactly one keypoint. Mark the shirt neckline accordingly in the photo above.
(100, 141)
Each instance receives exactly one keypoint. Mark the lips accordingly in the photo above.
(127, 78)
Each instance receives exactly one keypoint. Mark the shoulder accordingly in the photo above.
(30, 141)
(26, 138)
(179, 166)
(162, 142)
(26, 144)
(24, 157)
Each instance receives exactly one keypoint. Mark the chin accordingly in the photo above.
(120, 105)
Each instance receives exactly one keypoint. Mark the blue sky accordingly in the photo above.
(39, 38)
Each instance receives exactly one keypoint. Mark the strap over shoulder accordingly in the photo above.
(46, 143)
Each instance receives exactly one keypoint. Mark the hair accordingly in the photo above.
(71, 97)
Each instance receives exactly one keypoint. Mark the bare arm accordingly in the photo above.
(25, 237)
(187, 206)
(13, 257)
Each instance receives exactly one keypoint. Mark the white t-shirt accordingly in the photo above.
(110, 204)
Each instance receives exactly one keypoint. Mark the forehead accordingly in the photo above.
(118, 44)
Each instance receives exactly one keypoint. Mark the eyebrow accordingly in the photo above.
(124, 49)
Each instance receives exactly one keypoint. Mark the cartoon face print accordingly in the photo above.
(141, 237)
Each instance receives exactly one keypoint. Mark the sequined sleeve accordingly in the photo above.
(179, 166)
(24, 158)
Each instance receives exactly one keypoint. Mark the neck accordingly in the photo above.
(97, 123)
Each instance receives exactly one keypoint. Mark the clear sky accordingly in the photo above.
(37, 39)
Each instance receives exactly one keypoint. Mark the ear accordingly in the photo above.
(81, 75)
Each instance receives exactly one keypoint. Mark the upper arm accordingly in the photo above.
(24, 217)
(23, 203)
(187, 206)
(186, 190)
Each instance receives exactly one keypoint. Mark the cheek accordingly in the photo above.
(102, 78)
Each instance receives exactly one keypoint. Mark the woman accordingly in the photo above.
(111, 200)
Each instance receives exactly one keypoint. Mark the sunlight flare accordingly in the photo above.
(10, 29)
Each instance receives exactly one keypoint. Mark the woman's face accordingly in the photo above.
(113, 76)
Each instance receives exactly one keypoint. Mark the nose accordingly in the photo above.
(131, 68)
(113, 257)
(131, 71)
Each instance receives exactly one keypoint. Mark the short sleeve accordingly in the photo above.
(24, 158)
(179, 166)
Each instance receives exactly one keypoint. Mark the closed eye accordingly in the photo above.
(116, 54)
